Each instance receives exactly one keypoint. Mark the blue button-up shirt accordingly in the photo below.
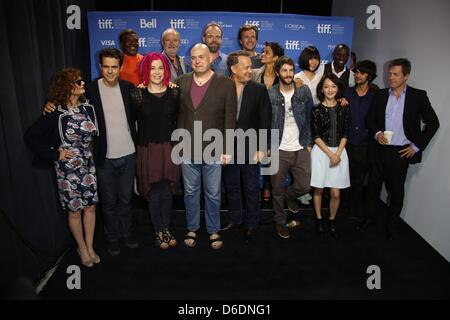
(394, 119)
(220, 65)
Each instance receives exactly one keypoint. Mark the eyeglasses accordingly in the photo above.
(79, 82)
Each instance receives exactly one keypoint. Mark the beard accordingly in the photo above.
(287, 81)
(213, 48)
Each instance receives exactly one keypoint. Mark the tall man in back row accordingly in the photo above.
(400, 109)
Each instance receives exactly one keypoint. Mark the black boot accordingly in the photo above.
(332, 226)
(319, 226)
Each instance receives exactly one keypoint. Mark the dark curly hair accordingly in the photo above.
(61, 86)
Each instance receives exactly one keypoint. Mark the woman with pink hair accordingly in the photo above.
(156, 108)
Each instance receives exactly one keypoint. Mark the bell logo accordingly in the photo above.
(105, 24)
(324, 28)
(177, 24)
(292, 45)
(148, 24)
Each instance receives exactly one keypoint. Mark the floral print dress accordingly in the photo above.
(77, 181)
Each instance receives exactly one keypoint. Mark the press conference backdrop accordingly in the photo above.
(293, 32)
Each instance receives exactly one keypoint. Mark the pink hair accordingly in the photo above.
(146, 64)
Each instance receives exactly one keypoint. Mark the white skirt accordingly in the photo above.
(322, 176)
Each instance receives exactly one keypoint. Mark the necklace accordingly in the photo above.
(201, 82)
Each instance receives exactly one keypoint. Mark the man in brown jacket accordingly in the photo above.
(208, 104)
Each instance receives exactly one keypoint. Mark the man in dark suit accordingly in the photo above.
(253, 113)
(394, 122)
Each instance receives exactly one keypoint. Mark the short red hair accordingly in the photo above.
(145, 66)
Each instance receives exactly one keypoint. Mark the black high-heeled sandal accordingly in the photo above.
(169, 238)
(159, 241)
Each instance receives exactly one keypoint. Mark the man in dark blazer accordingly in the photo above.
(400, 109)
(114, 152)
(253, 113)
(207, 103)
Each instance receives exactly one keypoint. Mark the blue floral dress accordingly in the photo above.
(77, 181)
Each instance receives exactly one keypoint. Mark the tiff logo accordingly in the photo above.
(292, 45)
(105, 24)
(141, 43)
(252, 23)
(177, 24)
(324, 28)
(148, 24)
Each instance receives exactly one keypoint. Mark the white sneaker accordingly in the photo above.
(304, 199)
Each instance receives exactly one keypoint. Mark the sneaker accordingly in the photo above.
(131, 242)
(304, 199)
(292, 205)
(113, 248)
(283, 231)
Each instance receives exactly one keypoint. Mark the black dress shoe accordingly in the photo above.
(131, 242)
(365, 224)
(231, 226)
(249, 235)
(319, 226)
(113, 248)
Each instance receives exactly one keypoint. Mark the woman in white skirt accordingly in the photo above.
(329, 162)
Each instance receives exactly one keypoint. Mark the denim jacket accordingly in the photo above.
(302, 104)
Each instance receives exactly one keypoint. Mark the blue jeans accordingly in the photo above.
(193, 174)
(116, 182)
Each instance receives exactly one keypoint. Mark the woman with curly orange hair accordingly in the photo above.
(64, 138)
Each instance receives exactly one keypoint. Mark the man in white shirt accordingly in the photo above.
(291, 113)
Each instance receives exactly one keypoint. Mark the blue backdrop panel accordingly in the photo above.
(293, 32)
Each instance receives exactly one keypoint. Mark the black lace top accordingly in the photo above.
(156, 115)
(330, 124)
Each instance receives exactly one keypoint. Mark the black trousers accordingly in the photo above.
(249, 174)
(359, 170)
(387, 166)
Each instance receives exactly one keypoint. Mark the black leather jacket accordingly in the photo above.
(330, 124)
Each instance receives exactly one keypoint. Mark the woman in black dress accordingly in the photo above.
(156, 108)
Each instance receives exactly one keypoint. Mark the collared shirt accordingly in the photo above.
(394, 118)
(351, 79)
(220, 66)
